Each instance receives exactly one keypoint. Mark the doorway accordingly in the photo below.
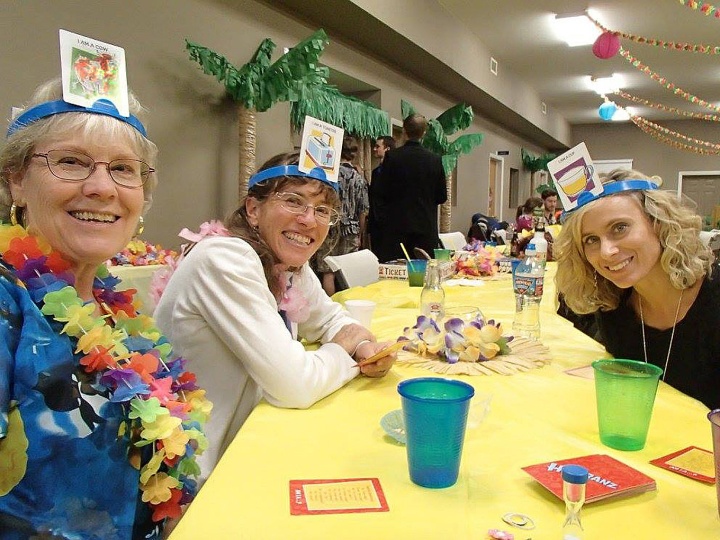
(496, 187)
(703, 187)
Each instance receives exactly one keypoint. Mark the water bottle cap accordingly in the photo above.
(574, 474)
(531, 247)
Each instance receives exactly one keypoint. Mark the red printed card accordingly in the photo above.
(608, 477)
(692, 462)
(336, 496)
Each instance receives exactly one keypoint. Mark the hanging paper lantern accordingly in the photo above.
(607, 110)
(606, 45)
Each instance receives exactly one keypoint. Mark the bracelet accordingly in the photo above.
(362, 342)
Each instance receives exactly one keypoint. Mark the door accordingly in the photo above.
(492, 187)
(704, 189)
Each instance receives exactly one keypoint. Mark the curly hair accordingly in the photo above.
(238, 225)
(684, 257)
(18, 147)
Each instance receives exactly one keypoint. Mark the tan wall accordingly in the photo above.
(613, 140)
(190, 120)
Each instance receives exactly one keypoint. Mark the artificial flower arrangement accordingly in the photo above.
(459, 341)
(476, 260)
(141, 253)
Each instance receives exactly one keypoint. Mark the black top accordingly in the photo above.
(694, 365)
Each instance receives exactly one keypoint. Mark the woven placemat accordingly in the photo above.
(525, 354)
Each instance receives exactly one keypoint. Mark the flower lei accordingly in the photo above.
(474, 341)
(129, 359)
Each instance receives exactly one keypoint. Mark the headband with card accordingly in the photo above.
(319, 156)
(94, 81)
(577, 184)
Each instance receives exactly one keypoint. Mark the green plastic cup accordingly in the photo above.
(625, 392)
(442, 254)
(416, 272)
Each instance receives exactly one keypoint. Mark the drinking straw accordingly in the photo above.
(412, 268)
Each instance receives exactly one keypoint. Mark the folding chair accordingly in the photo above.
(355, 269)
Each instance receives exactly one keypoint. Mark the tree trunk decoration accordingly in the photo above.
(446, 207)
(247, 126)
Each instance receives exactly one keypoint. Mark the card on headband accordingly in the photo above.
(321, 147)
(93, 70)
(573, 174)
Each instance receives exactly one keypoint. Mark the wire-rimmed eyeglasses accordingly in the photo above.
(295, 204)
(76, 166)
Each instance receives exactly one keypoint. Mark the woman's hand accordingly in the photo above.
(381, 366)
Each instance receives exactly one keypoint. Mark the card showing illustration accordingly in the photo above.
(321, 147)
(573, 173)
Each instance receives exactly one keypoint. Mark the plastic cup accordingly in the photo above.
(442, 254)
(714, 417)
(416, 272)
(625, 392)
(435, 413)
(361, 311)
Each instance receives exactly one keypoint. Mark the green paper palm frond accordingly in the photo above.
(456, 118)
(406, 109)
(465, 144)
(327, 103)
(535, 163)
(435, 139)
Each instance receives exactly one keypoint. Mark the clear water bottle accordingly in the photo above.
(528, 285)
(432, 297)
(575, 479)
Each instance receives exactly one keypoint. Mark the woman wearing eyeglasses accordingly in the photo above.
(90, 398)
(237, 305)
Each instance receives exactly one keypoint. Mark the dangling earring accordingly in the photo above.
(140, 226)
(13, 214)
(595, 279)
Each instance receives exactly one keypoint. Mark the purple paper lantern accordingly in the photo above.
(607, 110)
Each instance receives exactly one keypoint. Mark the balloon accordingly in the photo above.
(607, 110)
(606, 45)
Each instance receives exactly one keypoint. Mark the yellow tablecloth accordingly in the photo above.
(536, 416)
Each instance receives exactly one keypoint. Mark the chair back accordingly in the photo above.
(356, 269)
(453, 240)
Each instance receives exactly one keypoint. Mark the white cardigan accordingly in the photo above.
(219, 314)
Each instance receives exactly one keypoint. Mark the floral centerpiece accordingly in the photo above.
(476, 260)
(141, 253)
(474, 347)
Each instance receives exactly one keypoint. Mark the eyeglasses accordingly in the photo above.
(295, 204)
(76, 166)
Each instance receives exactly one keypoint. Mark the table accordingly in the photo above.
(536, 416)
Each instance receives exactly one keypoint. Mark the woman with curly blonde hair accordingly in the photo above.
(633, 256)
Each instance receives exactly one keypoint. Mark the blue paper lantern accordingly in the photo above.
(607, 110)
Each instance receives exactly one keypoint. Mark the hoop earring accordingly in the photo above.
(140, 226)
(14, 214)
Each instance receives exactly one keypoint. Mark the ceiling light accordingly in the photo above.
(621, 115)
(576, 29)
(606, 85)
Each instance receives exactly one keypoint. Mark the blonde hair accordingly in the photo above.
(684, 257)
(18, 147)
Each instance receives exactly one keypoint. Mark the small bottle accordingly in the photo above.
(575, 479)
(528, 286)
(432, 297)
(541, 244)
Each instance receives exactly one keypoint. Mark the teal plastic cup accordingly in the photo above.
(435, 413)
(442, 254)
(416, 272)
(625, 392)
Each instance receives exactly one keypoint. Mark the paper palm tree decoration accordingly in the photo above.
(258, 85)
(456, 118)
(536, 164)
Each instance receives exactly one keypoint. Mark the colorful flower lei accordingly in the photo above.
(129, 358)
(474, 341)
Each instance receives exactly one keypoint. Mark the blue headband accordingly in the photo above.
(291, 170)
(614, 187)
(50, 108)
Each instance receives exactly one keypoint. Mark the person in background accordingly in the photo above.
(376, 211)
(353, 215)
(525, 221)
(550, 198)
(84, 379)
(633, 257)
(237, 305)
(411, 185)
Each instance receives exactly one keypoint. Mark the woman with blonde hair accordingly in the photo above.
(633, 256)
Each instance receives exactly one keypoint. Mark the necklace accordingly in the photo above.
(672, 334)
(130, 361)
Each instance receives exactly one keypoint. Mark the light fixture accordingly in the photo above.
(621, 115)
(606, 85)
(576, 29)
